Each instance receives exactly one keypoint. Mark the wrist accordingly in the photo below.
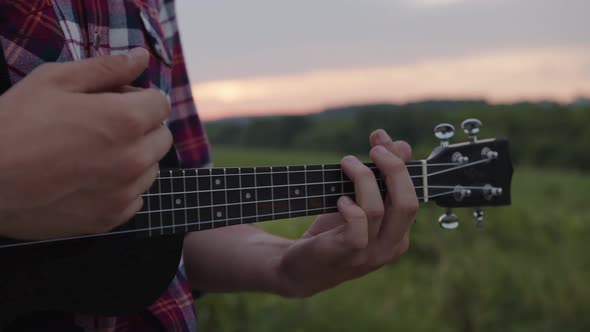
(286, 284)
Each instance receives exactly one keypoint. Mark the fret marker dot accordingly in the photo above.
(219, 214)
(217, 182)
(297, 192)
(248, 195)
(333, 189)
(178, 201)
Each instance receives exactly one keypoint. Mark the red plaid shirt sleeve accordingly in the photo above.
(39, 31)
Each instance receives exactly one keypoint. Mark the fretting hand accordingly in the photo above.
(364, 235)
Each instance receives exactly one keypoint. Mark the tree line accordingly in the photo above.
(543, 134)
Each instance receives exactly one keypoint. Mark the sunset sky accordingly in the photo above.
(268, 56)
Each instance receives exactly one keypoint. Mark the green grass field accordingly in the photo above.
(528, 270)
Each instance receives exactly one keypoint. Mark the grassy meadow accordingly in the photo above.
(527, 270)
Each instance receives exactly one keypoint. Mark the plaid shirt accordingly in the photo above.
(36, 31)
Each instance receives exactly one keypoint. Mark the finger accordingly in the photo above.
(127, 88)
(402, 196)
(99, 74)
(127, 214)
(121, 197)
(143, 110)
(141, 156)
(356, 232)
(340, 244)
(399, 148)
(368, 195)
(144, 182)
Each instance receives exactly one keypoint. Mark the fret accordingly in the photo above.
(256, 197)
(155, 203)
(289, 190)
(178, 201)
(280, 192)
(232, 183)
(184, 202)
(264, 193)
(305, 191)
(218, 197)
(324, 186)
(348, 187)
(191, 200)
(297, 197)
(333, 189)
(272, 195)
(205, 199)
(314, 188)
(139, 221)
(241, 197)
(147, 202)
(225, 191)
(167, 204)
(249, 205)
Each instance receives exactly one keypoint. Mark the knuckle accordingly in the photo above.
(358, 260)
(375, 213)
(356, 216)
(109, 65)
(169, 138)
(359, 243)
(410, 209)
(121, 200)
(395, 165)
(404, 246)
(128, 124)
(136, 164)
(159, 100)
(366, 174)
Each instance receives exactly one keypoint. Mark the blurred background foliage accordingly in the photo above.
(527, 270)
(542, 134)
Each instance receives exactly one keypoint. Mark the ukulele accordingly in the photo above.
(128, 268)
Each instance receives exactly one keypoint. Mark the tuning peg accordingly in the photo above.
(448, 220)
(478, 214)
(472, 128)
(444, 132)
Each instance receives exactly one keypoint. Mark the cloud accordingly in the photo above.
(503, 76)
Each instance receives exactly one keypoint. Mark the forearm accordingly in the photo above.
(236, 259)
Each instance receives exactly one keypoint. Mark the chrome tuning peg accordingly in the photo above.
(472, 128)
(478, 214)
(449, 220)
(444, 132)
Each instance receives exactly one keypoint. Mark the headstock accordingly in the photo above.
(472, 174)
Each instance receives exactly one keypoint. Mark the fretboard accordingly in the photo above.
(188, 200)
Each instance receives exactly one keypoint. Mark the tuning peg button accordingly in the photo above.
(472, 128)
(444, 132)
(478, 214)
(448, 221)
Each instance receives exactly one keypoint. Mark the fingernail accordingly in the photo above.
(380, 150)
(345, 200)
(349, 159)
(382, 137)
(137, 53)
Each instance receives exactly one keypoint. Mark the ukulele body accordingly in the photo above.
(105, 276)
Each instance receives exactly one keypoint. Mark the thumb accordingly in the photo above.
(104, 73)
